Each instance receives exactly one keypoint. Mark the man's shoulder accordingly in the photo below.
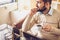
(55, 11)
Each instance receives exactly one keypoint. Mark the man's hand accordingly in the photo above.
(33, 11)
(47, 28)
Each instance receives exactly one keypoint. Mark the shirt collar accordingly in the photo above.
(50, 12)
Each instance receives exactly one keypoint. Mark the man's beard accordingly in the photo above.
(43, 9)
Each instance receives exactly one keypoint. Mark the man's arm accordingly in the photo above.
(52, 29)
(56, 30)
(29, 21)
(26, 23)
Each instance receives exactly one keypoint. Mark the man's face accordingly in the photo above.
(40, 5)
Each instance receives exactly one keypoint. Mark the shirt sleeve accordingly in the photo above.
(29, 22)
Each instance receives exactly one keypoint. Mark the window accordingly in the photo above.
(6, 1)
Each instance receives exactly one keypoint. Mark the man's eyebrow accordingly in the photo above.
(37, 1)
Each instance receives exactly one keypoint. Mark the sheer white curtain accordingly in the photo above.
(24, 4)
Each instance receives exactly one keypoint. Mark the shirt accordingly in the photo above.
(52, 18)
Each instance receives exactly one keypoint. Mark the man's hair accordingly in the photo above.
(45, 1)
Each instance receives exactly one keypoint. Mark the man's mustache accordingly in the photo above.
(41, 10)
